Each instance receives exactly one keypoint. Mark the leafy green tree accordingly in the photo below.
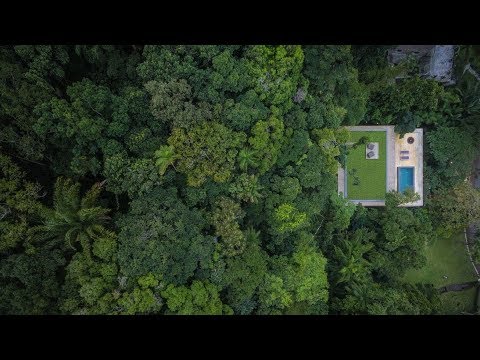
(289, 218)
(171, 103)
(372, 63)
(29, 283)
(225, 219)
(207, 150)
(18, 98)
(93, 123)
(276, 73)
(456, 208)
(59, 121)
(267, 140)
(419, 96)
(202, 298)
(273, 296)
(240, 114)
(142, 299)
(379, 299)
(162, 236)
(243, 276)
(307, 276)
(135, 176)
(295, 147)
(452, 152)
(401, 239)
(246, 188)
(160, 221)
(90, 285)
(20, 207)
(110, 64)
(333, 78)
(342, 211)
(312, 172)
(212, 71)
(299, 279)
(46, 64)
(283, 189)
(329, 142)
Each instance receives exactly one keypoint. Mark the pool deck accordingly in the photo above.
(394, 145)
(415, 160)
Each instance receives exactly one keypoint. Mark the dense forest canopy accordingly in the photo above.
(203, 180)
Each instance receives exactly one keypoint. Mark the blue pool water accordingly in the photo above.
(405, 178)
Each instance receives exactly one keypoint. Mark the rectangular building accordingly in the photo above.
(384, 163)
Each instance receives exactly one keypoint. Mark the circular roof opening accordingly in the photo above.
(410, 140)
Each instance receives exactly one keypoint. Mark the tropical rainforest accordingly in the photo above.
(202, 180)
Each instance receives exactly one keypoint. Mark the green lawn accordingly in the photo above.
(371, 175)
(447, 256)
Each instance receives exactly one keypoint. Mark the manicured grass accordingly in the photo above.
(371, 174)
(447, 256)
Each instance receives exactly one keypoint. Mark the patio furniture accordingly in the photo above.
(404, 157)
(404, 152)
(371, 151)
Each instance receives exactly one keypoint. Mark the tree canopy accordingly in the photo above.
(202, 179)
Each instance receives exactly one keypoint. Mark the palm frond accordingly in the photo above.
(91, 197)
(66, 198)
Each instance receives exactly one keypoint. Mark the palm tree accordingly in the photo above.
(165, 157)
(246, 158)
(252, 236)
(73, 219)
(350, 257)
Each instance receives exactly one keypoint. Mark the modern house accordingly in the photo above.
(382, 162)
(435, 61)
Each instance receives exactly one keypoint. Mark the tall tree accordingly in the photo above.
(207, 150)
(73, 219)
(201, 298)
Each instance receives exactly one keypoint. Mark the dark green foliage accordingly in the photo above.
(29, 283)
(402, 299)
(111, 65)
(206, 151)
(93, 123)
(332, 76)
(73, 220)
(276, 74)
(243, 276)
(161, 235)
(267, 139)
(131, 175)
(45, 64)
(242, 114)
(296, 281)
(452, 153)
(218, 166)
(401, 239)
(225, 219)
(391, 103)
(18, 98)
(20, 207)
(200, 299)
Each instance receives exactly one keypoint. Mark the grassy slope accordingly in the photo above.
(371, 173)
(448, 257)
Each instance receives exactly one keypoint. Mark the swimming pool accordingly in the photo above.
(405, 176)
